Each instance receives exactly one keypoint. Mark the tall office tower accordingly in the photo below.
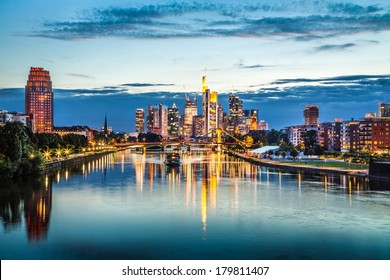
(152, 120)
(173, 121)
(39, 99)
(384, 110)
(163, 111)
(220, 116)
(139, 121)
(235, 113)
(190, 111)
(311, 115)
(197, 126)
(209, 109)
(157, 120)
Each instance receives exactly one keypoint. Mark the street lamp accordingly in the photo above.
(58, 153)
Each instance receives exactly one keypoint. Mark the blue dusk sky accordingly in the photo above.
(111, 57)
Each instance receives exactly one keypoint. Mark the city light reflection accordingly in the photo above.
(201, 175)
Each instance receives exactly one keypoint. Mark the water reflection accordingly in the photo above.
(201, 174)
(34, 199)
(198, 180)
(131, 206)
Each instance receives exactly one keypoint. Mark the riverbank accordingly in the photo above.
(299, 167)
(76, 159)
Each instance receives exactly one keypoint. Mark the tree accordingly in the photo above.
(49, 140)
(149, 137)
(14, 141)
(17, 155)
(294, 153)
(273, 137)
(131, 139)
(75, 140)
(318, 150)
(270, 153)
(259, 136)
(248, 139)
(310, 140)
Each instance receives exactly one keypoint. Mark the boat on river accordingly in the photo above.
(172, 159)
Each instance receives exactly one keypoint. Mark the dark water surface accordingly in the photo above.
(130, 206)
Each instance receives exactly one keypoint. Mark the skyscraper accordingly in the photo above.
(163, 110)
(190, 111)
(39, 99)
(209, 108)
(152, 120)
(384, 110)
(157, 120)
(311, 115)
(235, 113)
(173, 121)
(139, 121)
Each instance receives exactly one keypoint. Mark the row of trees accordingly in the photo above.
(23, 153)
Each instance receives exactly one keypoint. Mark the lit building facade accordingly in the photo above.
(190, 111)
(251, 122)
(209, 109)
(235, 118)
(384, 110)
(296, 134)
(152, 120)
(157, 120)
(375, 134)
(39, 99)
(78, 130)
(140, 121)
(6, 116)
(197, 126)
(173, 121)
(262, 125)
(220, 116)
(311, 115)
(350, 135)
(330, 135)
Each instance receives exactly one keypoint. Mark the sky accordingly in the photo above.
(112, 57)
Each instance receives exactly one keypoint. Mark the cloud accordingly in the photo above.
(353, 79)
(146, 85)
(341, 96)
(80, 76)
(335, 47)
(304, 20)
(353, 9)
(254, 66)
(10, 94)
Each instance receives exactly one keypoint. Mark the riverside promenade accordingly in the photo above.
(77, 158)
(290, 166)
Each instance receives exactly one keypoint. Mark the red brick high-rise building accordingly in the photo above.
(311, 115)
(39, 99)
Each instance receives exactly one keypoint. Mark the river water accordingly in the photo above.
(131, 206)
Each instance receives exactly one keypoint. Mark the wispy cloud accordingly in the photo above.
(77, 75)
(353, 79)
(254, 66)
(146, 85)
(335, 47)
(304, 20)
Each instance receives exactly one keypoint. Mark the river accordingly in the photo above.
(131, 206)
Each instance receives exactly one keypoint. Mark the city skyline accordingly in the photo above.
(115, 56)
